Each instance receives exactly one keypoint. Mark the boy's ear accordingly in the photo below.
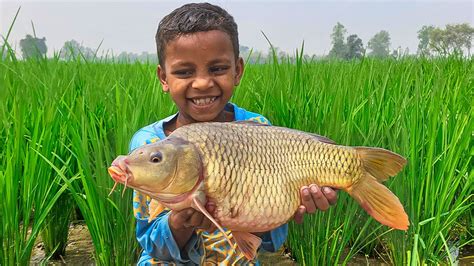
(239, 70)
(161, 73)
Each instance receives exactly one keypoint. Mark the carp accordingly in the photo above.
(253, 174)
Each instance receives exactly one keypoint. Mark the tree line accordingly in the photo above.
(433, 41)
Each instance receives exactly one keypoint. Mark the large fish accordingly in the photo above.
(253, 173)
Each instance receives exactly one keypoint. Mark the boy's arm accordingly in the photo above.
(157, 240)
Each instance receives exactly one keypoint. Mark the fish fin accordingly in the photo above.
(247, 243)
(155, 208)
(208, 215)
(250, 123)
(379, 202)
(380, 163)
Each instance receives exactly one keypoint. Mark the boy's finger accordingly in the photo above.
(206, 223)
(307, 200)
(331, 195)
(177, 219)
(318, 198)
(299, 215)
(196, 219)
(210, 207)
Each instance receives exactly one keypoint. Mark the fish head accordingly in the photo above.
(165, 170)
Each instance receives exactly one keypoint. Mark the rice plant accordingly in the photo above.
(63, 122)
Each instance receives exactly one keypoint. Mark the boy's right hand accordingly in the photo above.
(183, 223)
(190, 218)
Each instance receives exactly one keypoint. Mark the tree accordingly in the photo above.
(454, 39)
(459, 36)
(424, 37)
(32, 47)
(355, 47)
(276, 53)
(339, 49)
(439, 42)
(380, 44)
(72, 49)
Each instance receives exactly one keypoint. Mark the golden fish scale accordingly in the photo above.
(254, 173)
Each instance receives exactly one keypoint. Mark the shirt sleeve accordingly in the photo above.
(155, 237)
(157, 241)
(273, 240)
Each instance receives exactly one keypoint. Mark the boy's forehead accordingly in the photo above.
(207, 42)
(202, 37)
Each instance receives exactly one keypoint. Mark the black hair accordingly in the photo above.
(192, 18)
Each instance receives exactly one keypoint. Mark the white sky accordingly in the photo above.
(130, 25)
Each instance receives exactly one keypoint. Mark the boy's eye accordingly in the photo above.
(183, 72)
(218, 69)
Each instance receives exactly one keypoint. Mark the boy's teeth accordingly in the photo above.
(204, 101)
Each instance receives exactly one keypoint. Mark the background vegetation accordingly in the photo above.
(65, 119)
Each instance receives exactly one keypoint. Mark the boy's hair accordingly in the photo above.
(192, 18)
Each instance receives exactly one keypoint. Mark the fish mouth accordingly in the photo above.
(120, 173)
(117, 174)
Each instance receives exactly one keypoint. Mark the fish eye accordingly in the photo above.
(156, 157)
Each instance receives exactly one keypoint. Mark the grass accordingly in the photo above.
(64, 122)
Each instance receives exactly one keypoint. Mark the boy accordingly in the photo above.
(199, 66)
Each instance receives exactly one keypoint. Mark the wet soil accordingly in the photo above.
(80, 250)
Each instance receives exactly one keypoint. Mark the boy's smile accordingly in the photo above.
(200, 72)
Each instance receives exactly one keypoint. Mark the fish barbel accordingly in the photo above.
(253, 174)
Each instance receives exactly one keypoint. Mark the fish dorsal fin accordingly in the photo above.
(155, 209)
(322, 138)
(250, 123)
(255, 123)
(247, 243)
(208, 215)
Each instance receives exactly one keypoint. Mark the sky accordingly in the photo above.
(131, 25)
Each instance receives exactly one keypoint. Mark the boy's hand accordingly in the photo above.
(190, 218)
(183, 223)
(314, 198)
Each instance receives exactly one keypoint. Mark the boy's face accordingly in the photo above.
(200, 73)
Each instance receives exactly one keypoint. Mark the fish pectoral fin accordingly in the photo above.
(247, 243)
(155, 208)
(202, 209)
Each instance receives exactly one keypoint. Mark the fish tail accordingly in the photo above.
(375, 198)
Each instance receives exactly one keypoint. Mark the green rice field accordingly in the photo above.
(63, 122)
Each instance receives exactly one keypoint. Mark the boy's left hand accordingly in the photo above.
(314, 198)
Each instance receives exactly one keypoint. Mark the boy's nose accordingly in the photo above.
(203, 82)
